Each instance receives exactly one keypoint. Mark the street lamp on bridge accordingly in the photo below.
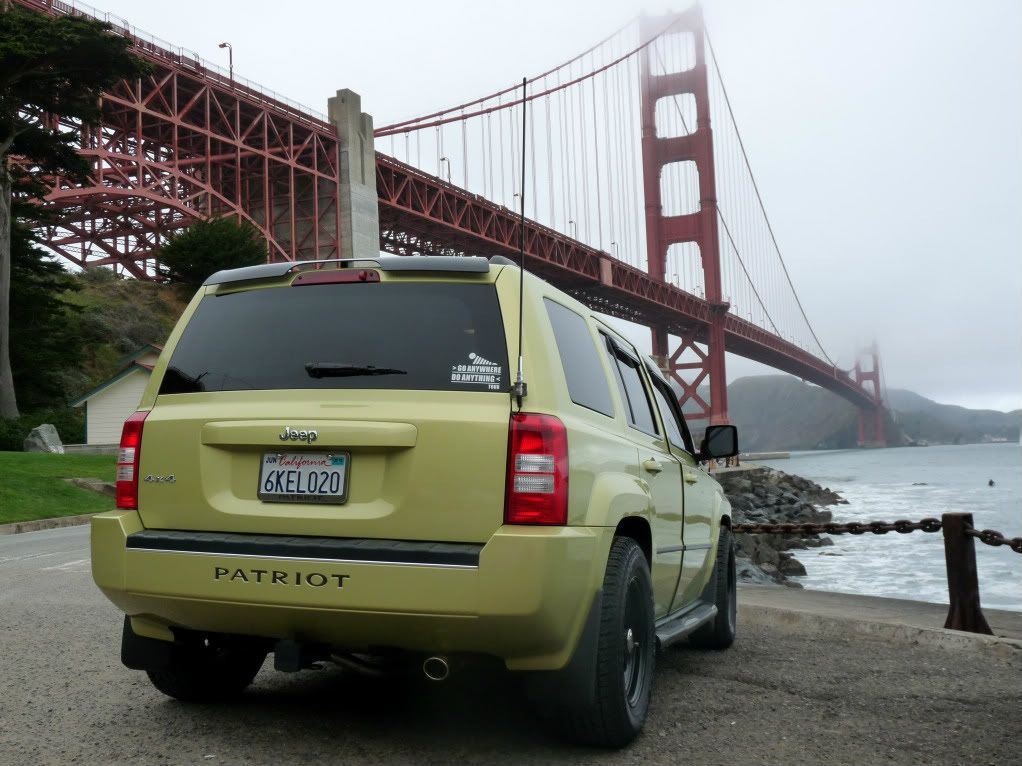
(230, 59)
(445, 159)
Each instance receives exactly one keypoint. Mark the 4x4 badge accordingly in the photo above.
(298, 435)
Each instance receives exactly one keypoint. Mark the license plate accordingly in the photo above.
(304, 477)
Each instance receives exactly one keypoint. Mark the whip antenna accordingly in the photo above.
(520, 388)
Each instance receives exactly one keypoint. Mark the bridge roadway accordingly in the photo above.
(773, 698)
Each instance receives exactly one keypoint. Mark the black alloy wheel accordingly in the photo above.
(625, 655)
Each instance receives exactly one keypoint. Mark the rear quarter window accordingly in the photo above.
(587, 381)
(419, 335)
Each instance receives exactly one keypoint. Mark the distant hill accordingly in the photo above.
(923, 419)
(779, 412)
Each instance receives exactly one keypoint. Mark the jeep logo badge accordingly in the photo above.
(298, 435)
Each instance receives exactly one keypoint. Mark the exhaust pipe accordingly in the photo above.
(436, 668)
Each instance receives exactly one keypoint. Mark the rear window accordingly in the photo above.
(420, 336)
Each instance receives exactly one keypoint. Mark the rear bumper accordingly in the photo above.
(523, 596)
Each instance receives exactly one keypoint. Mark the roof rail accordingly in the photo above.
(451, 263)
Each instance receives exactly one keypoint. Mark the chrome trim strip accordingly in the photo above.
(676, 548)
(303, 558)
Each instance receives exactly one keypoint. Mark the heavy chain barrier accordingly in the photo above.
(964, 612)
(902, 526)
(995, 538)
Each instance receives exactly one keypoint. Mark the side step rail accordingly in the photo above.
(676, 628)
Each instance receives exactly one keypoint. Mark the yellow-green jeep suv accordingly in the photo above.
(330, 461)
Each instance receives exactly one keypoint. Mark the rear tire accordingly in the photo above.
(626, 653)
(720, 633)
(208, 670)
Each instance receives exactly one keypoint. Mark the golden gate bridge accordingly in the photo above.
(640, 201)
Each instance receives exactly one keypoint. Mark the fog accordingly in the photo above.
(885, 137)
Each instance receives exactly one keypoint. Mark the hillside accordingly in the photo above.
(923, 419)
(62, 350)
(779, 412)
(118, 317)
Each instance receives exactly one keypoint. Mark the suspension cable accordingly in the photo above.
(759, 197)
(418, 124)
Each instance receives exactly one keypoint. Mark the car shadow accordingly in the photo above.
(479, 710)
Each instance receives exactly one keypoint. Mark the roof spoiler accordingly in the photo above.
(471, 264)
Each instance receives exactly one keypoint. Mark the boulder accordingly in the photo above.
(791, 567)
(96, 485)
(765, 554)
(769, 570)
(749, 572)
(44, 438)
(745, 545)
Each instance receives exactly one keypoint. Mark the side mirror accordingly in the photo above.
(718, 442)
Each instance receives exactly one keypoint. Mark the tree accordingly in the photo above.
(209, 246)
(48, 65)
(45, 330)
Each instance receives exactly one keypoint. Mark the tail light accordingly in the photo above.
(537, 471)
(127, 461)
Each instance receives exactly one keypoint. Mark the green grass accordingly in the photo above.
(32, 485)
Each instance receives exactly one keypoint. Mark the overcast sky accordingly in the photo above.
(886, 136)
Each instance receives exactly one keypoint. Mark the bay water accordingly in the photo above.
(914, 483)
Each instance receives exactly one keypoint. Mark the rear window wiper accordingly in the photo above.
(342, 370)
(177, 381)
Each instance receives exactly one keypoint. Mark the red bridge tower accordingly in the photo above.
(689, 364)
(872, 431)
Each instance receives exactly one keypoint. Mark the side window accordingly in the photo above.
(674, 424)
(678, 394)
(633, 391)
(587, 382)
(616, 374)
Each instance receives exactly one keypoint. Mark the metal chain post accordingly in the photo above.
(964, 612)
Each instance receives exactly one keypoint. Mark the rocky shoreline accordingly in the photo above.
(759, 494)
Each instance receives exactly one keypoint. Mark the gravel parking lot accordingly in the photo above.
(774, 698)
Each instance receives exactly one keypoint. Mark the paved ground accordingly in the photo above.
(774, 698)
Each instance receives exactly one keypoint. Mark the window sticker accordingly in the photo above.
(478, 371)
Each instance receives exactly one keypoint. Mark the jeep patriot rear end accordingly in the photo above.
(328, 462)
